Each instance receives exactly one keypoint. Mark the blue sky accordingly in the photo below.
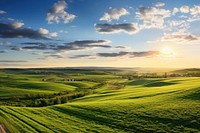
(122, 33)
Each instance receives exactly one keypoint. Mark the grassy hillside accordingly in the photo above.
(118, 105)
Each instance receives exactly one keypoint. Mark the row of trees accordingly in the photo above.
(41, 102)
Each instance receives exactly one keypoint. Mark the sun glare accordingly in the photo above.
(167, 51)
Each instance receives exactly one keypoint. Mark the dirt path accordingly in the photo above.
(2, 129)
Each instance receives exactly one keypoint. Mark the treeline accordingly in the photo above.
(58, 99)
(41, 100)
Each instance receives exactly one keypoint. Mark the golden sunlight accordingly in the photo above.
(167, 50)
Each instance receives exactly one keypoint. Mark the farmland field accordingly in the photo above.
(99, 100)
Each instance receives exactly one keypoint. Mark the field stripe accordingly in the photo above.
(17, 121)
(99, 120)
(31, 119)
(52, 120)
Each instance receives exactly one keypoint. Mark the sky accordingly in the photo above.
(114, 33)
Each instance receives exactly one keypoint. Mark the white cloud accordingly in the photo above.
(195, 10)
(114, 14)
(175, 10)
(185, 9)
(152, 17)
(16, 30)
(53, 34)
(179, 24)
(129, 28)
(57, 13)
(176, 22)
(43, 31)
(17, 25)
(181, 37)
(195, 13)
(2, 12)
(159, 4)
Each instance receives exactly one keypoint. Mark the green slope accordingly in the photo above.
(148, 105)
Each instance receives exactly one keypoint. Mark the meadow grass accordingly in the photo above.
(143, 105)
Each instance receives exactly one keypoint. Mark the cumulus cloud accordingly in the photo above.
(17, 25)
(2, 12)
(159, 4)
(176, 22)
(53, 34)
(175, 10)
(180, 37)
(195, 10)
(129, 28)
(195, 13)
(16, 30)
(115, 13)
(57, 13)
(152, 17)
(179, 24)
(185, 9)
(43, 31)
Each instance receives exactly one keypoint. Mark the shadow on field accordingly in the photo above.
(173, 122)
(126, 121)
(159, 84)
(98, 96)
(151, 83)
(138, 82)
(193, 94)
(92, 117)
(152, 95)
(191, 122)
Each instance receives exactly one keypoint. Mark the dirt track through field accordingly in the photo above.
(2, 129)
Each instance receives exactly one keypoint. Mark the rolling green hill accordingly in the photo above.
(117, 105)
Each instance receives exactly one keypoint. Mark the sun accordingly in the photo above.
(167, 50)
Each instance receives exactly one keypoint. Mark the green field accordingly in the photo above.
(113, 102)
